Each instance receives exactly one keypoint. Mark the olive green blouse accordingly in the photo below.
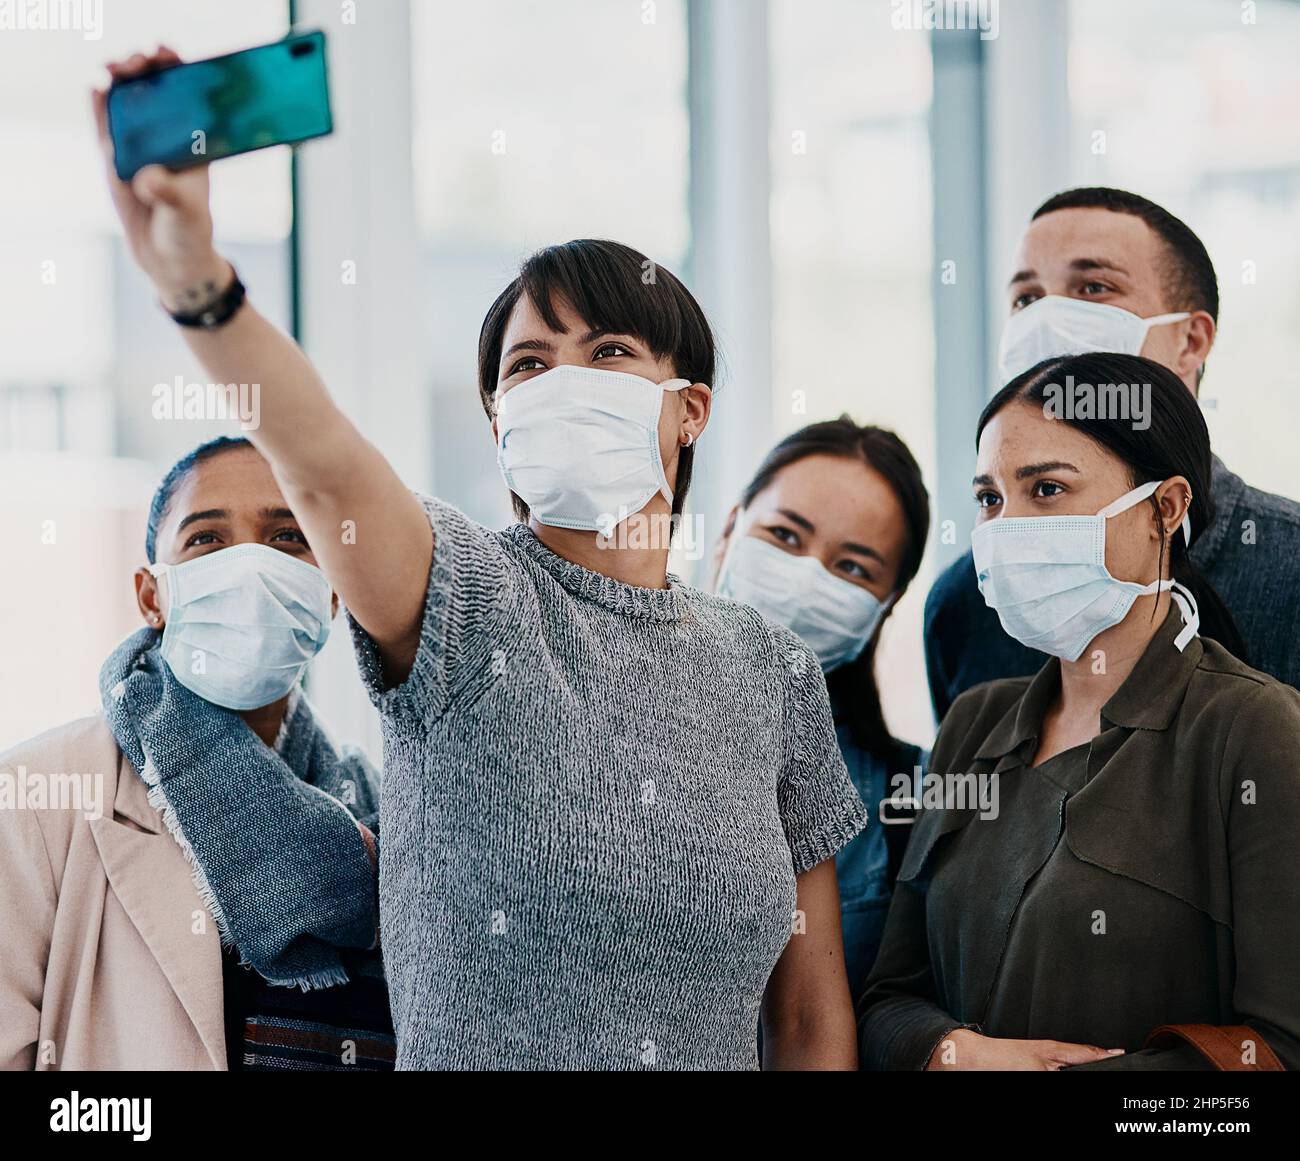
(1149, 877)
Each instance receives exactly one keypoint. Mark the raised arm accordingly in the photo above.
(369, 533)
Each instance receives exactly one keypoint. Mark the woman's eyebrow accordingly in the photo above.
(592, 336)
(543, 345)
(530, 345)
(1039, 469)
(862, 550)
(795, 518)
(278, 514)
(207, 514)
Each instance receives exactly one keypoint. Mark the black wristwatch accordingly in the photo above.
(216, 312)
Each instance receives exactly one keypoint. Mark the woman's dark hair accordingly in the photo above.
(612, 288)
(853, 687)
(162, 498)
(1175, 442)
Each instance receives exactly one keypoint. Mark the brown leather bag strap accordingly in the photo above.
(1227, 1047)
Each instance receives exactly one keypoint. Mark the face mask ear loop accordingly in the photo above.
(163, 585)
(1136, 496)
(673, 385)
(885, 606)
(1129, 499)
(1161, 319)
(736, 533)
(1182, 597)
(1180, 593)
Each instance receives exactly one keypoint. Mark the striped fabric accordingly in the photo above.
(341, 1029)
(284, 1045)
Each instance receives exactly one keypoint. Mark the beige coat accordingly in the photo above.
(108, 958)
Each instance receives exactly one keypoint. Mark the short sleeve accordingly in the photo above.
(820, 808)
(474, 593)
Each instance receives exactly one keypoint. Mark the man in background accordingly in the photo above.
(1105, 270)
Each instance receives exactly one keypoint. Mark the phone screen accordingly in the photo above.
(197, 112)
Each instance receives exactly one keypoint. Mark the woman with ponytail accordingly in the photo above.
(826, 538)
(1126, 893)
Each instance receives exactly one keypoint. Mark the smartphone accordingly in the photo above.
(193, 113)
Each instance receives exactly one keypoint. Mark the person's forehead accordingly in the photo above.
(526, 321)
(814, 473)
(1021, 434)
(236, 479)
(833, 491)
(1065, 236)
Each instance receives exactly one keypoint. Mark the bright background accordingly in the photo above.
(806, 167)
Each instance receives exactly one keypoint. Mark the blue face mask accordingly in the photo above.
(243, 623)
(1046, 578)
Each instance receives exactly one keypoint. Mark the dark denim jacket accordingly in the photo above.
(862, 867)
(1251, 555)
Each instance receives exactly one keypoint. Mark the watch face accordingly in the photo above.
(217, 313)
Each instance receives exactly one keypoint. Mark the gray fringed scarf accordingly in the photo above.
(276, 856)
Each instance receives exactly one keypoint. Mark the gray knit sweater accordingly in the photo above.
(596, 798)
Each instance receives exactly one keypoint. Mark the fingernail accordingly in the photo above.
(1114, 1052)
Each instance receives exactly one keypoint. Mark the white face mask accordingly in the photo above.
(1046, 578)
(834, 617)
(1055, 326)
(580, 446)
(243, 623)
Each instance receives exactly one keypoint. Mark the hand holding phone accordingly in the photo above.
(164, 214)
(181, 115)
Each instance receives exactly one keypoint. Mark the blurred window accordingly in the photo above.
(852, 264)
(1197, 112)
(83, 344)
(535, 124)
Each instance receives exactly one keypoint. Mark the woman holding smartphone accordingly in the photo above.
(609, 799)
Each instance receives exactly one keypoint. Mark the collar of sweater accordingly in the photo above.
(668, 604)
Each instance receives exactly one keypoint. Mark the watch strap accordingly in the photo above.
(216, 312)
